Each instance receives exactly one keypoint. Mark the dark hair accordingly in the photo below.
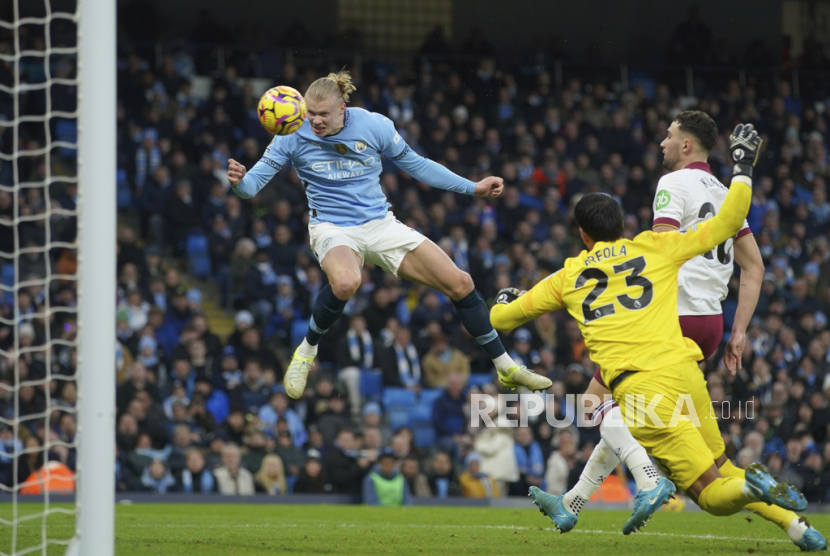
(700, 126)
(599, 216)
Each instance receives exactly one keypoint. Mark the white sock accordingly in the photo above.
(796, 529)
(747, 491)
(306, 349)
(634, 456)
(601, 464)
(503, 362)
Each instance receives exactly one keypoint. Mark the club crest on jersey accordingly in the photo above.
(359, 146)
(341, 148)
(663, 199)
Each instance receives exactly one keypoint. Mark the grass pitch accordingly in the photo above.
(223, 529)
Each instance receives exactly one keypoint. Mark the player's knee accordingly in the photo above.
(461, 286)
(345, 284)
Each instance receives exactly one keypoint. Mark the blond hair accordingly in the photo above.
(269, 482)
(339, 83)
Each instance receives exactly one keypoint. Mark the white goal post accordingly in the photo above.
(95, 491)
(36, 169)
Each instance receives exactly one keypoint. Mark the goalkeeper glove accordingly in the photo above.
(744, 146)
(508, 295)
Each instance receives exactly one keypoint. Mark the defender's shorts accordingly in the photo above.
(684, 450)
(383, 242)
(704, 330)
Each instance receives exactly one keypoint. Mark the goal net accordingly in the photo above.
(57, 276)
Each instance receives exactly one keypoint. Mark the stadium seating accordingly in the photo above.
(371, 384)
(299, 327)
(67, 131)
(197, 251)
(124, 193)
(398, 416)
(7, 279)
(480, 379)
(397, 397)
(424, 437)
(420, 414)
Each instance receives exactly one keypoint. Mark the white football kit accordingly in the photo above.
(685, 198)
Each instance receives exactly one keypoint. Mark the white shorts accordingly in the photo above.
(383, 242)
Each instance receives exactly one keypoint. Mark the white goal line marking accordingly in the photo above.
(444, 526)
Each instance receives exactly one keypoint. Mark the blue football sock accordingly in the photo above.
(476, 319)
(327, 309)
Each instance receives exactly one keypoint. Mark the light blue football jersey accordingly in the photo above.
(341, 172)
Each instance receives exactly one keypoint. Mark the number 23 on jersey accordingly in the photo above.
(633, 281)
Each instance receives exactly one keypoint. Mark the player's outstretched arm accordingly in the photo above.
(433, 174)
(491, 186)
(513, 308)
(236, 172)
(247, 184)
(749, 259)
(744, 148)
(425, 170)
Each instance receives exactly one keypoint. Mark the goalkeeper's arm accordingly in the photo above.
(513, 308)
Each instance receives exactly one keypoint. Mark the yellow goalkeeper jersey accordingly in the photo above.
(623, 294)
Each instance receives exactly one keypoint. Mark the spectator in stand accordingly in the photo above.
(400, 362)
(344, 466)
(448, 413)
(138, 380)
(195, 477)
(385, 485)
(442, 480)
(495, 449)
(234, 426)
(261, 288)
(441, 361)
(251, 393)
(474, 482)
(157, 479)
(416, 481)
(312, 479)
(256, 448)
(291, 456)
(334, 418)
(251, 346)
(529, 460)
(180, 215)
(560, 462)
(355, 353)
(277, 408)
(270, 479)
(232, 478)
(287, 309)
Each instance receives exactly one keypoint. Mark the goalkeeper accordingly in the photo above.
(623, 294)
(337, 154)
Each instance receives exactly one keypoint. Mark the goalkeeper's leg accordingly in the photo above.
(798, 529)
(680, 448)
(616, 445)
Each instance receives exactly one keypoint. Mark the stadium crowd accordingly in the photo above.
(198, 413)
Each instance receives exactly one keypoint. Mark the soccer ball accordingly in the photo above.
(677, 504)
(281, 110)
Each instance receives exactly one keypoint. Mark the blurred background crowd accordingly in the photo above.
(200, 406)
